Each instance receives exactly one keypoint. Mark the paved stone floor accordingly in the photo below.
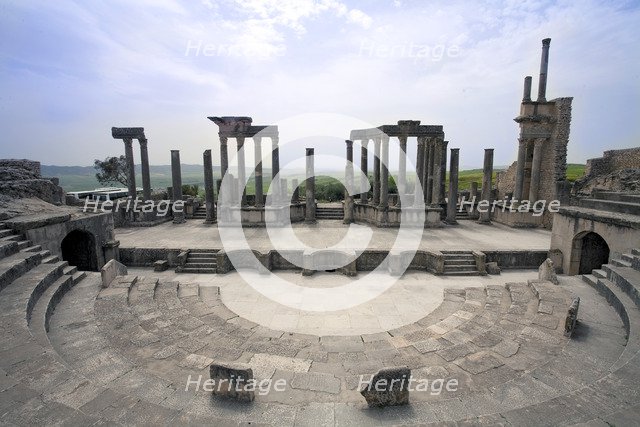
(468, 235)
(414, 296)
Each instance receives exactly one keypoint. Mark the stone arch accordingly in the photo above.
(79, 249)
(588, 252)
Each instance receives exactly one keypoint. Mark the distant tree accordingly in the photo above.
(112, 170)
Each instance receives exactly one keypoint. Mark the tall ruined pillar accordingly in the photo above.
(144, 160)
(429, 168)
(384, 172)
(487, 172)
(208, 188)
(176, 179)
(443, 170)
(544, 66)
(275, 167)
(522, 152)
(535, 169)
(418, 189)
(259, 202)
(526, 94)
(402, 164)
(437, 170)
(224, 156)
(295, 198)
(131, 172)
(453, 186)
(348, 197)
(376, 171)
(241, 171)
(364, 166)
(310, 213)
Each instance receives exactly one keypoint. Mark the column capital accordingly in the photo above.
(143, 142)
(240, 141)
(128, 142)
(349, 143)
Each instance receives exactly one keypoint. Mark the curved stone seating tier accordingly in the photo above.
(123, 355)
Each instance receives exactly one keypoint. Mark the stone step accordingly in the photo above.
(35, 248)
(45, 307)
(202, 255)
(70, 269)
(627, 279)
(8, 248)
(11, 238)
(200, 265)
(45, 253)
(78, 276)
(612, 206)
(459, 261)
(620, 263)
(14, 266)
(23, 244)
(50, 259)
(6, 233)
(461, 273)
(459, 267)
(616, 196)
(199, 270)
(598, 273)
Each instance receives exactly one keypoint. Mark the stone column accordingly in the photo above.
(437, 169)
(348, 197)
(284, 191)
(487, 171)
(241, 171)
(453, 187)
(224, 156)
(295, 198)
(535, 169)
(544, 65)
(418, 189)
(131, 172)
(208, 188)
(526, 95)
(364, 166)
(384, 172)
(429, 168)
(259, 202)
(310, 214)
(176, 179)
(474, 190)
(402, 162)
(144, 161)
(522, 151)
(443, 170)
(275, 167)
(376, 171)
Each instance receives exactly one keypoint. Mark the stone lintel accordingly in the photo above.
(123, 133)
(396, 131)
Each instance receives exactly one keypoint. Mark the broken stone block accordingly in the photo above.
(547, 272)
(388, 387)
(572, 317)
(233, 381)
(492, 268)
(161, 265)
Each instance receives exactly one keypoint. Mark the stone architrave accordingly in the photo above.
(388, 387)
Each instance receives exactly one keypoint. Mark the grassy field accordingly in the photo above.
(76, 178)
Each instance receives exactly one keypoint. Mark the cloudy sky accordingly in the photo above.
(71, 70)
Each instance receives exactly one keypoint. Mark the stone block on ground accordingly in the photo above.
(232, 380)
(547, 272)
(492, 268)
(388, 387)
(572, 317)
(110, 271)
(160, 265)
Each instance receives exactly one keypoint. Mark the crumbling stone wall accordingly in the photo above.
(506, 180)
(20, 178)
(614, 160)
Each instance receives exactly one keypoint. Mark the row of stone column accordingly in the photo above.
(431, 164)
(536, 166)
(130, 165)
(275, 165)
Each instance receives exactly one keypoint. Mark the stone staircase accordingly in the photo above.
(461, 214)
(200, 261)
(625, 203)
(200, 213)
(459, 263)
(329, 212)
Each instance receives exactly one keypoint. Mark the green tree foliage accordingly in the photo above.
(112, 170)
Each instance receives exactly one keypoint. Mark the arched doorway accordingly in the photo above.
(79, 249)
(590, 251)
